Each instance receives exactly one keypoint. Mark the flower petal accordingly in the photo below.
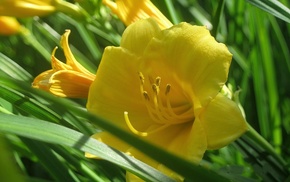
(137, 36)
(191, 143)
(185, 140)
(223, 122)
(9, 25)
(42, 80)
(70, 59)
(68, 83)
(193, 56)
(57, 64)
(116, 89)
(129, 11)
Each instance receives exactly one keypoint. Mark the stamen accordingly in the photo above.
(141, 78)
(167, 90)
(155, 88)
(158, 81)
(143, 134)
(159, 106)
(146, 96)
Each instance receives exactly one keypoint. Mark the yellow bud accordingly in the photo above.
(9, 25)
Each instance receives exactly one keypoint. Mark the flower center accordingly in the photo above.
(159, 106)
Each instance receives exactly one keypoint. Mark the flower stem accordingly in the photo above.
(256, 137)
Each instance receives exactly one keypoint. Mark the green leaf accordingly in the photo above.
(273, 7)
(12, 69)
(57, 134)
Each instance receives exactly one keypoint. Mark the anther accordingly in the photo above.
(167, 89)
(155, 88)
(146, 96)
(158, 81)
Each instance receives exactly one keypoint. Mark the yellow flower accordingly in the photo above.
(130, 11)
(164, 86)
(65, 80)
(9, 25)
(26, 8)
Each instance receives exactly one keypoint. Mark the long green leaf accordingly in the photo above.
(58, 169)
(274, 7)
(57, 134)
(12, 69)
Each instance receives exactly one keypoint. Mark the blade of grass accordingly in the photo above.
(12, 69)
(57, 134)
(260, 92)
(270, 78)
(58, 169)
(217, 17)
(172, 12)
(273, 7)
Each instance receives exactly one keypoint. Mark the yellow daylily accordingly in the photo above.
(26, 8)
(130, 11)
(9, 25)
(164, 86)
(65, 80)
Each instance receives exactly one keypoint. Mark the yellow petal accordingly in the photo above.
(42, 80)
(130, 177)
(191, 143)
(64, 83)
(9, 25)
(70, 84)
(111, 140)
(116, 89)
(192, 55)
(21, 8)
(223, 122)
(130, 11)
(70, 59)
(187, 140)
(137, 36)
(57, 64)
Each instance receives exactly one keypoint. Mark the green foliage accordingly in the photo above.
(47, 137)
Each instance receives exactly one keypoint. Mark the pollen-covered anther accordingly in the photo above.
(157, 81)
(155, 88)
(167, 89)
(146, 96)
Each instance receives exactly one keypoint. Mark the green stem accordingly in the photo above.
(255, 136)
